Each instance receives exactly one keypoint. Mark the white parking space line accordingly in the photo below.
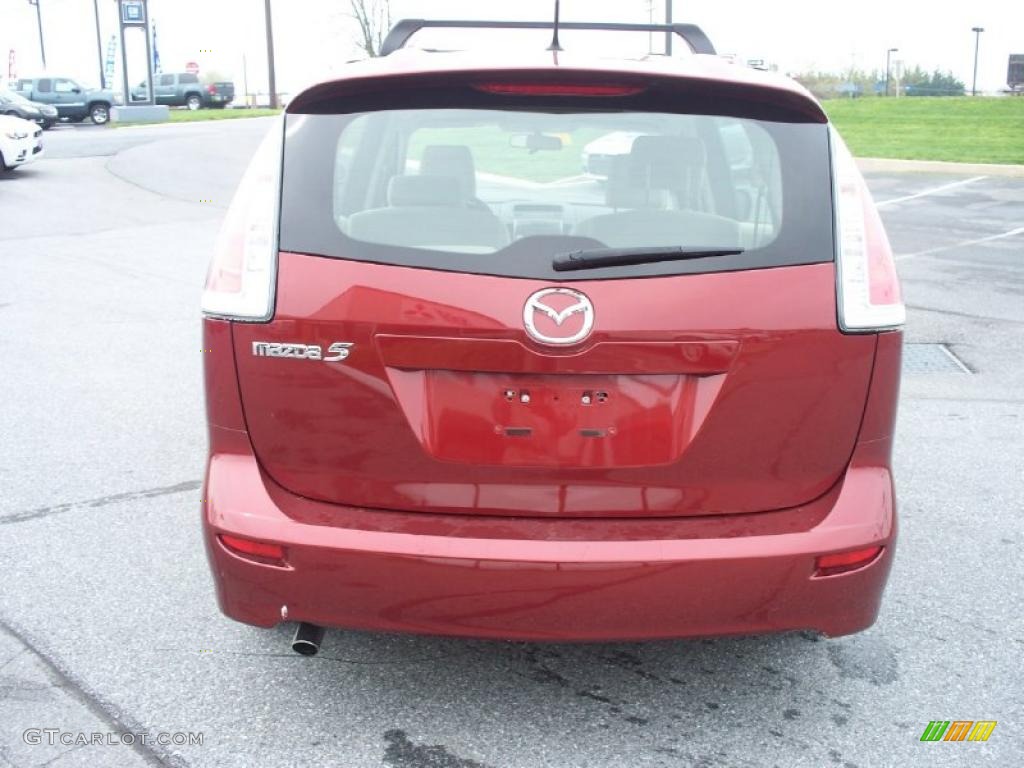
(932, 191)
(956, 360)
(963, 244)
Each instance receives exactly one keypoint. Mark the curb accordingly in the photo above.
(938, 166)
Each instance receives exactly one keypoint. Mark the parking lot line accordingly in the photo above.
(931, 191)
(962, 244)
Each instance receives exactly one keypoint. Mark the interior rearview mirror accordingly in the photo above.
(536, 142)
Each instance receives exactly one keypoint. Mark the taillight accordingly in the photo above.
(240, 281)
(559, 89)
(211, 88)
(867, 288)
(844, 562)
(260, 551)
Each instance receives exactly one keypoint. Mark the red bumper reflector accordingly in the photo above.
(559, 89)
(841, 562)
(260, 551)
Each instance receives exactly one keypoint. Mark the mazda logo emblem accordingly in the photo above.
(558, 316)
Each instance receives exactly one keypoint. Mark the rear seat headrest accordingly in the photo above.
(655, 164)
(451, 160)
(661, 162)
(684, 149)
(424, 190)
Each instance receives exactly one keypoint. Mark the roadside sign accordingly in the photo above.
(133, 12)
(192, 68)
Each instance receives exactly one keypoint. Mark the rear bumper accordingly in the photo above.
(523, 578)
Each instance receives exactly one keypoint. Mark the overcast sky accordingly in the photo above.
(314, 37)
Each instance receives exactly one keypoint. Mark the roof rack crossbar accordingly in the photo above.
(400, 33)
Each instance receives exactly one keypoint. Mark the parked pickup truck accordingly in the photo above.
(182, 89)
(74, 102)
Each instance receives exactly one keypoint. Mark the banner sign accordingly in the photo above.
(156, 53)
(108, 65)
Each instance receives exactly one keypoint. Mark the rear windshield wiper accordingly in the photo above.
(595, 258)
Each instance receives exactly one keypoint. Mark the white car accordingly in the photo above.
(599, 154)
(20, 142)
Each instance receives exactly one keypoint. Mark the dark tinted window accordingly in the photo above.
(166, 79)
(503, 191)
(187, 79)
(44, 85)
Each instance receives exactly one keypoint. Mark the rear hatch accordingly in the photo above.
(225, 91)
(424, 354)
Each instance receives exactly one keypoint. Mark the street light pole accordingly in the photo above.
(650, 20)
(668, 21)
(270, 56)
(977, 40)
(888, 65)
(99, 45)
(39, 19)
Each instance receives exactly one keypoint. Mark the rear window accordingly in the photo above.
(503, 190)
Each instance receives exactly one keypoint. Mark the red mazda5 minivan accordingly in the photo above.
(464, 377)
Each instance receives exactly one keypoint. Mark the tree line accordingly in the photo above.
(858, 82)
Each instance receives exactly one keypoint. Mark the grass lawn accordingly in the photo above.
(188, 116)
(966, 130)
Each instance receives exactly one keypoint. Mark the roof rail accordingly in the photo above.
(403, 30)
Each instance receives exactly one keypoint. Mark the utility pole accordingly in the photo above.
(977, 40)
(270, 56)
(39, 19)
(99, 45)
(888, 65)
(668, 21)
(245, 79)
(650, 20)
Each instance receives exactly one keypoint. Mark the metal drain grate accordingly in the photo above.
(931, 358)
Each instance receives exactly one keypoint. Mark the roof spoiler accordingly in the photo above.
(403, 30)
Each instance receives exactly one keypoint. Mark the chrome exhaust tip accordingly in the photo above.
(308, 638)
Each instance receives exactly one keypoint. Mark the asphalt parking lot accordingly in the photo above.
(107, 616)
